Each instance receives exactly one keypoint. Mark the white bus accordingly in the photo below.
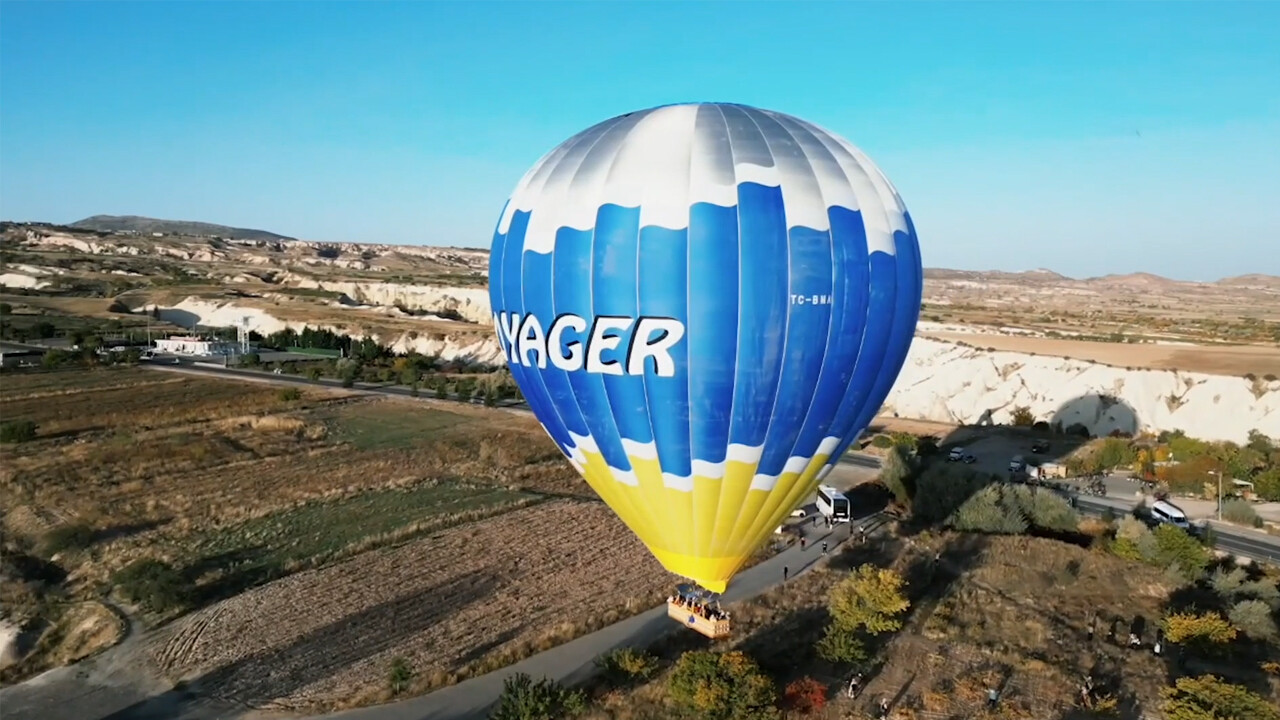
(1165, 512)
(833, 504)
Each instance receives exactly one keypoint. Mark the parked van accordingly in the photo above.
(1170, 514)
(1017, 464)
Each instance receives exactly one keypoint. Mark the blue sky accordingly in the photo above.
(1084, 137)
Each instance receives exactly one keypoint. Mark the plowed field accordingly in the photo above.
(451, 603)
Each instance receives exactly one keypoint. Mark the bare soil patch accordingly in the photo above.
(456, 601)
(1237, 360)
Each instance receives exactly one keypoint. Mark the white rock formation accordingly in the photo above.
(948, 383)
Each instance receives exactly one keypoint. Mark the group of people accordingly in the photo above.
(709, 611)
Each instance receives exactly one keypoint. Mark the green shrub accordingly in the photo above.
(1253, 617)
(399, 676)
(841, 647)
(1175, 547)
(154, 584)
(18, 431)
(76, 536)
(525, 699)
(989, 510)
(882, 441)
(1240, 512)
(289, 394)
(627, 665)
(722, 686)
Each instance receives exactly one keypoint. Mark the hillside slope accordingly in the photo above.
(146, 226)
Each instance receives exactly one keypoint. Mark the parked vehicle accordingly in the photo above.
(1040, 446)
(1017, 464)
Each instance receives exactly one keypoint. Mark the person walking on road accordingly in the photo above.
(786, 572)
(803, 541)
(824, 547)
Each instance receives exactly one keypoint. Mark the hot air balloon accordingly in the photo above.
(704, 304)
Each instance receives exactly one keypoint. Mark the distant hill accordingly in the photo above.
(1252, 281)
(146, 226)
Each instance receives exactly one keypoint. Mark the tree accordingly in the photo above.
(870, 600)
(1209, 698)
(1022, 416)
(939, 490)
(722, 686)
(805, 696)
(894, 474)
(399, 676)
(1115, 452)
(525, 699)
(1204, 629)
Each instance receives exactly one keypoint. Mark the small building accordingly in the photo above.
(187, 345)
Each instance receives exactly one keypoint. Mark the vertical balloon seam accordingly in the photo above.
(799, 488)
(793, 494)
(641, 505)
(853, 163)
(689, 355)
(761, 523)
(594, 135)
(739, 535)
(655, 511)
(724, 461)
(545, 177)
(636, 521)
(886, 196)
(835, 325)
(657, 425)
(742, 273)
(739, 542)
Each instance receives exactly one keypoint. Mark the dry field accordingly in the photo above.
(1259, 360)
(123, 447)
(457, 602)
(236, 484)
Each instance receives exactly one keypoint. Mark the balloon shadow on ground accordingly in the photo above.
(963, 462)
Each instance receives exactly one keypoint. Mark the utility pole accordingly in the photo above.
(1219, 474)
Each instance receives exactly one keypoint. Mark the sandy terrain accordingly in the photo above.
(1260, 360)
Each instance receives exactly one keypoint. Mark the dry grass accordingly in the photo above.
(1003, 612)
(460, 602)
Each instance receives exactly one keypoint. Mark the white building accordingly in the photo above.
(194, 346)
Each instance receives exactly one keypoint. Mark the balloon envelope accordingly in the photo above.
(704, 305)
